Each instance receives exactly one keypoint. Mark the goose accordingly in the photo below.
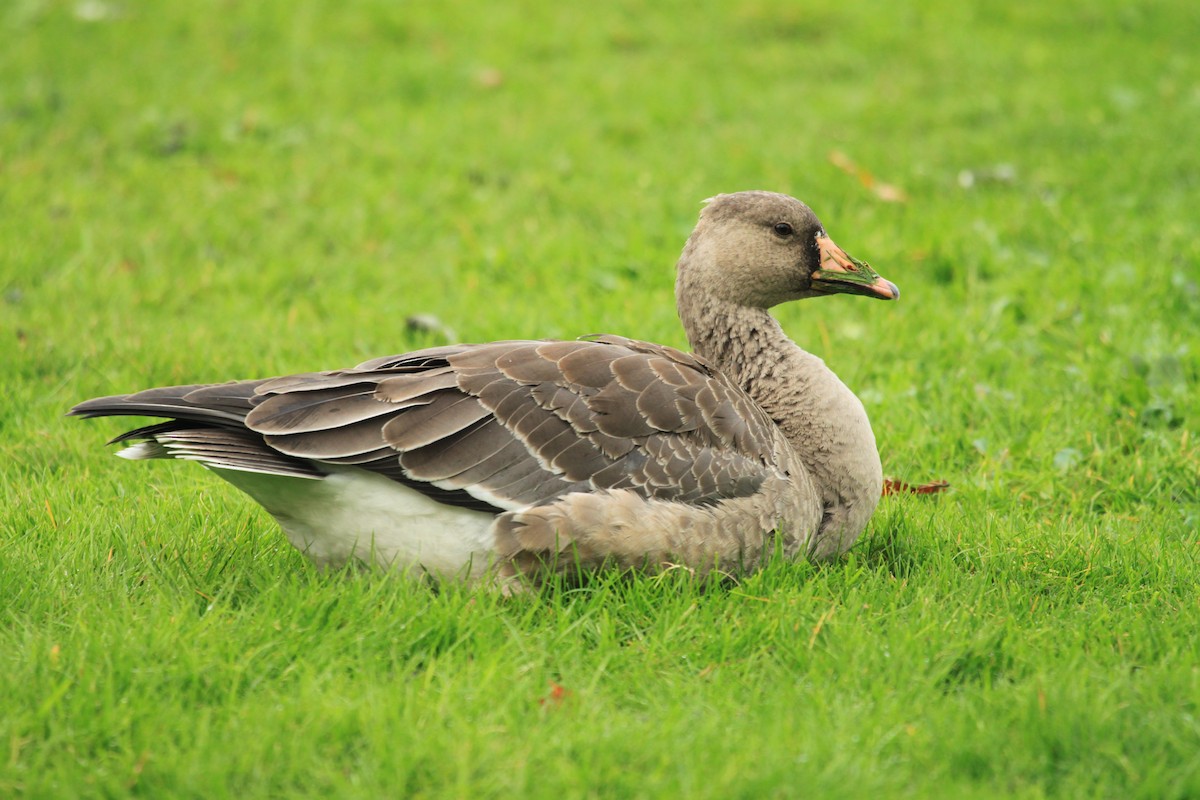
(518, 459)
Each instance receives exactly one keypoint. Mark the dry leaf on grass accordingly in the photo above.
(884, 191)
(893, 486)
(556, 696)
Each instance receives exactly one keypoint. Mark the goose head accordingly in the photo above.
(760, 249)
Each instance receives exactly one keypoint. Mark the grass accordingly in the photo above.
(202, 191)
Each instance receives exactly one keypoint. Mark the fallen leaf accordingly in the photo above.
(556, 696)
(430, 324)
(893, 486)
(886, 192)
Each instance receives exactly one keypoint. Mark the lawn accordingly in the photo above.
(205, 190)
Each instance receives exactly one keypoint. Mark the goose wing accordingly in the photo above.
(496, 427)
(515, 424)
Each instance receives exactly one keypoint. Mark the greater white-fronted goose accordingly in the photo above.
(515, 458)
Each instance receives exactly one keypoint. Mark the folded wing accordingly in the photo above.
(497, 427)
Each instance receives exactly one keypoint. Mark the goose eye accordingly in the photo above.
(782, 229)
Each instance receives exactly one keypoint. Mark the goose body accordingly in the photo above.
(514, 458)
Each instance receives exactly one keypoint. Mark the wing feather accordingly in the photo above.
(498, 426)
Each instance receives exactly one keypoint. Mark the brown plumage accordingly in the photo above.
(565, 454)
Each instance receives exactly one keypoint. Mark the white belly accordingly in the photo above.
(356, 514)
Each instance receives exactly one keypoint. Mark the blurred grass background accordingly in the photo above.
(198, 191)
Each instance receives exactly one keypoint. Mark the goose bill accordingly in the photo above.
(841, 272)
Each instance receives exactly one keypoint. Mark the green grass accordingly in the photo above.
(196, 191)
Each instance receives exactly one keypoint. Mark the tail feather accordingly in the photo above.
(221, 449)
(205, 423)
